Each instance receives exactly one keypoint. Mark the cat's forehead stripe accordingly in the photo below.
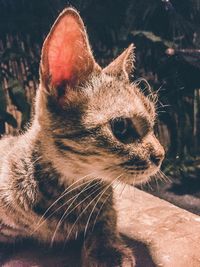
(105, 108)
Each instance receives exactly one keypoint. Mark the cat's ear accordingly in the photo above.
(123, 65)
(67, 58)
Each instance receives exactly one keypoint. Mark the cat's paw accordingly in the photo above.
(125, 257)
(115, 256)
(128, 261)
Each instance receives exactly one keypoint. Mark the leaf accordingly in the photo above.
(153, 38)
(18, 98)
(3, 100)
(4, 115)
(17, 95)
(10, 120)
(7, 117)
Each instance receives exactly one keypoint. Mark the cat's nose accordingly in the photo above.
(157, 158)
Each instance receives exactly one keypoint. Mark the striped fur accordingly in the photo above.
(56, 179)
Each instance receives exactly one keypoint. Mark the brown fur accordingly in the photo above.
(56, 179)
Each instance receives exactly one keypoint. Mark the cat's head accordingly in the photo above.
(96, 122)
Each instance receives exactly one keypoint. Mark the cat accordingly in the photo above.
(92, 128)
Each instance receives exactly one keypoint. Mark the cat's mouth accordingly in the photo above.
(137, 174)
(136, 168)
(133, 165)
(139, 177)
(136, 164)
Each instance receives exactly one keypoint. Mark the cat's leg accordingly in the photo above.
(103, 247)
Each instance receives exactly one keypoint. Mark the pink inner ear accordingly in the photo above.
(65, 47)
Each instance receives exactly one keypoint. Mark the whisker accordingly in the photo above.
(98, 201)
(149, 185)
(89, 205)
(160, 111)
(123, 189)
(156, 181)
(62, 195)
(166, 177)
(163, 177)
(65, 213)
(84, 189)
(51, 214)
(42, 220)
(95, 220)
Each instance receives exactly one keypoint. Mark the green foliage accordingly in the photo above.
(4, 115)
(18, 98)
(153, 38)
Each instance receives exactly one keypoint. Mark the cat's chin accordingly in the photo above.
(140, 178)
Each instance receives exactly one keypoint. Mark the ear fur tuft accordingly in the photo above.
(123, 65)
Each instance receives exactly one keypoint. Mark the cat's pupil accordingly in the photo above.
(120, 126)
(123, 130)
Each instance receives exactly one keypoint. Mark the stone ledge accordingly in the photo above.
(160, 234)
(170, 234)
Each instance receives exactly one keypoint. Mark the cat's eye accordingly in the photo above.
(123, 129)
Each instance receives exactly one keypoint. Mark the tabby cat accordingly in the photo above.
(92, 128)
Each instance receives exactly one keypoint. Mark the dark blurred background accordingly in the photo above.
(166, 34)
